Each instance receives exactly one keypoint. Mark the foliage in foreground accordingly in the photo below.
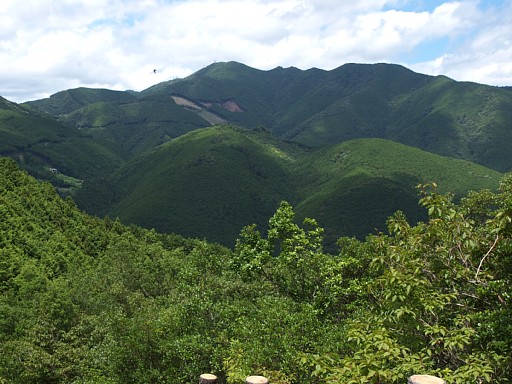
(84, 300)
(434, 298)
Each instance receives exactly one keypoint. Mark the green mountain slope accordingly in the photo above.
(316, 107)
(208, 183)
(211, 182)
(40, 143)
(353, 187)
(138, 125)
(281, 99)
(463, 120)
(128, 122)
(65, 102)
(313, 107)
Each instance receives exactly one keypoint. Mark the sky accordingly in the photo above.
(47, 46)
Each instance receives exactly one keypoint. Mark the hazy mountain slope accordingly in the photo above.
(212, 182)
(207, 183)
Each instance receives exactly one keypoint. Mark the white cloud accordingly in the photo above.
(51, 45)
(484, 56)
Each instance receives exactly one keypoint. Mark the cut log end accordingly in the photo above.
(425, 379)
(207, 378)
(256, 380)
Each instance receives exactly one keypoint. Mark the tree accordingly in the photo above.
(290, 257)
(440, 303)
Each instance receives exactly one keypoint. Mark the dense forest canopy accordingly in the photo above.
(89, 300)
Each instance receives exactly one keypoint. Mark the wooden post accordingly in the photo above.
(256, 380)
(207, 378)
(424, 379)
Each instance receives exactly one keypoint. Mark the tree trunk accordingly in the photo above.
(256, 380)
(425, 379)
(207, 378)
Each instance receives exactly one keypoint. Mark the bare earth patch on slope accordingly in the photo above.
(210, 117)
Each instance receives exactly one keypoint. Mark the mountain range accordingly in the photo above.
(205, 155)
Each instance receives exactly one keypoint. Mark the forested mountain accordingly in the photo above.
(147, 158)
(211, 182)
(317, 107)
(89, 300)
(129, 123)
(52, 150)
(313, 107)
